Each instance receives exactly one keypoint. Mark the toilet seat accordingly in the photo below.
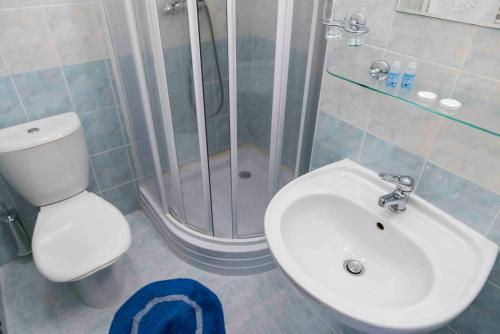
(76, 237)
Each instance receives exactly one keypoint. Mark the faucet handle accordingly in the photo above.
(404, 182)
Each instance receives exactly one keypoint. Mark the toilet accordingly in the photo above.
(78, 236)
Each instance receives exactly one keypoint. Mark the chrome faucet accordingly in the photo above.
(396, 201)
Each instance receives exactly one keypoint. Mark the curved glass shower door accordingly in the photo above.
(213, 41)
(177, 56)
(255, 67)
(222, 124)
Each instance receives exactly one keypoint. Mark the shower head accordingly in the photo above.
(172, 7)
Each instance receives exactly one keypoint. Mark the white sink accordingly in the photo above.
(421, 271)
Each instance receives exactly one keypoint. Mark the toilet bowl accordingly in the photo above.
(78, 236)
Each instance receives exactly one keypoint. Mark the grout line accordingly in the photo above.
(452, 329)
(419, 177)
(362, 146)
(367, 123)
(466, 54)
(494, 284)
(391, 27)
(92, 169)
(493, 223)
(119, 185)
(466, 178)
(56, 49)
(481, 76)
(41, 5)
(96, 110)
(9, 74)
(109, 150)
(91, 60)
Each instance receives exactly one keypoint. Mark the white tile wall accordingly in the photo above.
(454, 59)
(25, 40)
(44, 34)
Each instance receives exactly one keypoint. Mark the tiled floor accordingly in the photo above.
(260, 304)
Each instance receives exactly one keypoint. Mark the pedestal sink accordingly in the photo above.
(369, 268)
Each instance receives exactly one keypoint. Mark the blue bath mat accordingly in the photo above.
(178, 306)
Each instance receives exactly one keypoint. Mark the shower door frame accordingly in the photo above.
(279, 100)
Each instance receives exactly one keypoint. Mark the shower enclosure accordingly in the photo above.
(219, 97)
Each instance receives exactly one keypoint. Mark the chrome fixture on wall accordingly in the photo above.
(353, 21)
(379, 70)
(173, 7)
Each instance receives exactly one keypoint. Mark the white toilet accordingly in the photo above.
(78, 235)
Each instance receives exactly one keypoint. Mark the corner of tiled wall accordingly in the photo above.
(456, 167)
(54, 58)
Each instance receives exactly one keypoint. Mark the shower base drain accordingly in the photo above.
(245, 174)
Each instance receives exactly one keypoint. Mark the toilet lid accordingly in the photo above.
(78, 236)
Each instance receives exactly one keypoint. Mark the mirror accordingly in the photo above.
(481, 12)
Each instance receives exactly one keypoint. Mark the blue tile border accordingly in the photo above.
(381, 156)
(90, 85)
(43, 93)
(335, 140)
(464, 200)
(11, 112)
(112, 168)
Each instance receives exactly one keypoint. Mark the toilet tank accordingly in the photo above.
(45, 161)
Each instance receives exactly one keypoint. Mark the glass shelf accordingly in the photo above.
(359, 76)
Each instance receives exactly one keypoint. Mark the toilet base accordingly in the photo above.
(103, 288)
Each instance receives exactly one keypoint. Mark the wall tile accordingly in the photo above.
(466, 201)
(123, 197)
(479, 105)
(482, 316)
(53, 2)
(352, 62)
(25, 40)
(186, 144)
(77, 32)
(381, 13)
(18, 3)
(381, 156)
(93, 186)
(494, 234)
(444, 330)
(8, 249)
(335, 140)
(3, 66)
(403, 125)
(416, 36)
(347, 102)
(102, 130)
(5, 196)
(112, 168)
(43, 93)
(468, 153)
(11, 112)
(483, 55)
(495, 273)
(90, 85)
(26, 210)
(432, 77)
(222, 133)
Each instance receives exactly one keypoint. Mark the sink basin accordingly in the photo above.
(413, 272)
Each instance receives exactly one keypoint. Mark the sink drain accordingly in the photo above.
(354, 267)
(245, 174)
